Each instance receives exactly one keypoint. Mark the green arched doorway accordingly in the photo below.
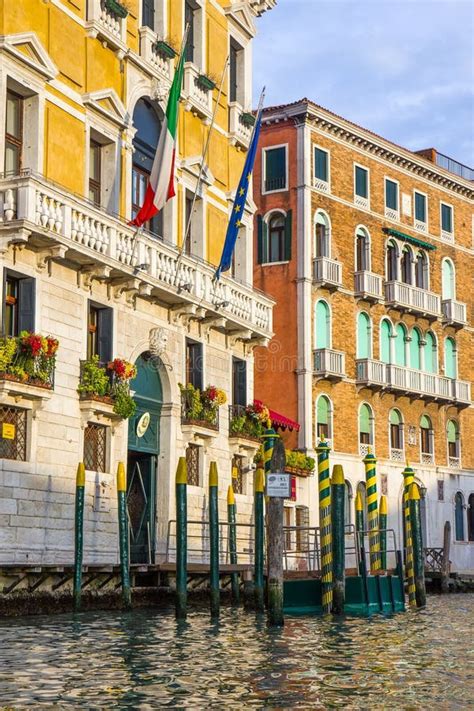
(143, 450)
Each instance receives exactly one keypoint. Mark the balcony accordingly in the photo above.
(158, 60)
(240, 125)
(454, 313)
(329, 364)
(198, 417)
(368, 286)
(107, 20)
(372, 373)
(327, 272)
(412, 299)
(63, 227)
(198, 98)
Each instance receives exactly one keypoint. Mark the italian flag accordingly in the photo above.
(161, 184)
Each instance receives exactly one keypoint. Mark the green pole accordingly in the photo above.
(231, 519)
(79, 534)
(259, 539)
(214, 538)
(372, 513)
(325, 525)
(123, 535)
(338, 486)
(417, 541)
(408, 479)
(359, 507)
(383, 514)
(268, 445)
(181, 483)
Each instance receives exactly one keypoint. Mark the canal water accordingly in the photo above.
(146, 660)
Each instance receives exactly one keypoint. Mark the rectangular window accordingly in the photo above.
(148, 14)
(95, 447)
(321, 164)
(238, 474)
(189, 10)
(239, 382)
(446, 218)
(99, 332)
(188, 225)
(94, 173)
(139, 185)
(395, 436)
(233, 69)
(13, 433)
(361, 182)
(13, 133)
(193, 464)
(391, 195)
(19, 304)
(275, 168)
(425, 440)
(194, 364)
(420, 207)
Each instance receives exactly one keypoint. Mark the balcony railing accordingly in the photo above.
(207, 417)
(454, 462)
(368, 285)
(412, 298)
(371, 372)
(329, 363)
(240, 129)
(454, 312)
(162, 64)
(104, 22)
(327, 272)
(321, 185)
(392, 214)
(427, 458)
(397, 455)
(275, 183)
(198, 99)
(241, 424)
(63, 226)
(362, 202)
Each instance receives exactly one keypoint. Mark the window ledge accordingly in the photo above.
(274, 264)
(94, 408)
(195, 432)
(23, 391)
(278, 190)
(243, 444)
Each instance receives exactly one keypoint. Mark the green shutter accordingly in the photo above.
(451, 431)
(400, 358)
(385, 332)
(321, 164)
(288, 234)
(430, 353)
(323, 411)
(394, 417)
(415, 349)
(446, 218)
(363, 336)
(425, 423)
(420, 207)
(26, 304)
(450, 358)
(447, 288)
(361, 182)
(275, 166)
(391, 194)
(262, 241)
(322, 325)
(364, 419)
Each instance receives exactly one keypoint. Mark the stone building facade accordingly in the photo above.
(83, 90)
(369, 249)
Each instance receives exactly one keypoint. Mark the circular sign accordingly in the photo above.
(143, 424)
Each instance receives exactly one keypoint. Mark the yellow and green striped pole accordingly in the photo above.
(268, 445)
(383, 511)
(359, 518)
(408, 479)
(325, 525)
(338, 487)
(79, 534)
(259, 539)
(417, 542)
(372, 512)
(214, 539)
(123, 535)
(231, 520)
(181, 484)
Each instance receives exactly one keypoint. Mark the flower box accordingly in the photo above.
(205, 82)
(201, 408)
(107, 385)
(164, 49)
(298, 471)
(116, 8)
(247, 119)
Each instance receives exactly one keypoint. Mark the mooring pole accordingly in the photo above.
(214, 538)
(417, 541)
(123, 535)
(445, 567)
(231, 520)
(181, 483)
(79, 534)
(259, 495)
(275, 538)
(383, 532)
(359, 518)
(372, 513)
(409, 478)
(338, 486)
(325, 525)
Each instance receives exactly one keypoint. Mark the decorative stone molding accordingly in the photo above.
(45, 256)
(95, 271)
(26, 48)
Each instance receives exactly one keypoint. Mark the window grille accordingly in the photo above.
(15, 447)
(237, 475)
(192, 462)
(95, 447)
(302, 537)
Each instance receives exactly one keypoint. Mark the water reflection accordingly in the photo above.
(147, 660)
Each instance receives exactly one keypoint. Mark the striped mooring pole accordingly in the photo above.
(338, 486)
(325, 525)
(231, 521)
(408, 478)
(268, 437)
(79, 534)
(417, 542)
(372, 512)
(359, 519)
(383, 516)
(259, 496)
(214, 538)
(181, 484)
(123, 535)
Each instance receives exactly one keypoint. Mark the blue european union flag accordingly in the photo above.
(239, 203)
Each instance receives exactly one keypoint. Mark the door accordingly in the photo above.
(141, 474)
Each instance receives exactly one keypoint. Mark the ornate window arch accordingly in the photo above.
(362, 249)
(274, 236)
(450, 358)
(422, 270)
(397, 443)
(322, 324)
(147, 121)
(431, 353)
(406, 265)
(386, 333)
(401, 341)
(322, 234)
(366, 428)
(453, 442)
(416, 345)
(426, 440)
(448, 279)
(324, 418)
(392, 255)
(364, 335)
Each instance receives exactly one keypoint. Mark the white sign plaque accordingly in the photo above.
(279, 485)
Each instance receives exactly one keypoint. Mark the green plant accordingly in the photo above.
(193, 405)
(124, 404)
(8, 349)
(248, 119)
(165, 49)
(94, 378)
(116, 8)
(299, 460)
(237, 424)
(205, 82)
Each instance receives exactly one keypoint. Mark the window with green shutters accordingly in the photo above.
(396, 430)
(391, 195)
(448, 283)
(361, 182)
(385, 335)
(453, 439)
(322, 236)
(450, 369)
(400, 343)
(446, 218)
(415, 349)
(321, 164)
(274, 237)
(365, 425)
(322, 325)
(420, 207)
(431, 354)
(274, 168)
(426, 435)
(323, 418)
(364, 336)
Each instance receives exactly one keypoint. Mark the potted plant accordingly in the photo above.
(29, 358)
(115, 7)
(205, 82)
(247, 119)
(123, 372)
(298, 463)
(109, 384)
(201, 407)
(165, 49)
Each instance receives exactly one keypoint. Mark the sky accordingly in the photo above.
(401, 68)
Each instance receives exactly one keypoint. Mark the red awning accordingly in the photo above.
(280, 421)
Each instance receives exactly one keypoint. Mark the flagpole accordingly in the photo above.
(201, 171)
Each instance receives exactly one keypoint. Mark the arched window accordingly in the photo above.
(426, 439)
(347, 503)
(415, 349)
(431, 353)
(322, 242)
(274, 235)
(322, 336)
(362, 490)
(450, 367)
(385, 335)
(366, 428)
(448, 283)
(276, 238)
(407, 259)
(421, 271)
(459, 516)
(392, 261)
(323, 418)
(400, 344)
(453, 442)
(396, 435)
(364, 336)
(148, 129)
(362, 250)
(470, 518)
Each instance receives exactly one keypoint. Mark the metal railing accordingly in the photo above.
(242, 425)
(391, 550)
(302, 550)
(206, 416)
(275, 183)
(26, 368)
(454, 166)
(198, 542)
